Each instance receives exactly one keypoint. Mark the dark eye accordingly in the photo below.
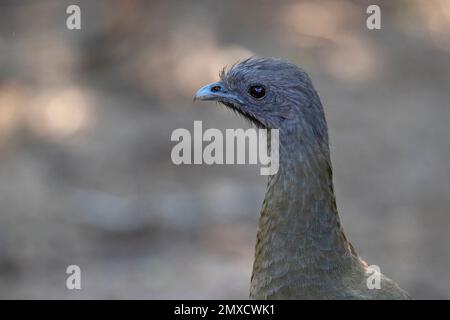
(257, 91)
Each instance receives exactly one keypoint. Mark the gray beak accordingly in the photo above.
(216, 92)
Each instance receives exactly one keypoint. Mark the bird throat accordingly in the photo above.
(300, 245)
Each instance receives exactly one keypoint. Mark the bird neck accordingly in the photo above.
(300, 238)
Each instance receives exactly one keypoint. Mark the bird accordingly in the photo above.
(301, 249)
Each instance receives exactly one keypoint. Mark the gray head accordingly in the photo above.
(271, 93)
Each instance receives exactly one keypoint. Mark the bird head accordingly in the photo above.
(271, 93)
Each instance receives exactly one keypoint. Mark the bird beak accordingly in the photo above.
(216, 92)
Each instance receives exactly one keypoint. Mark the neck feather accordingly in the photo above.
(300, 241)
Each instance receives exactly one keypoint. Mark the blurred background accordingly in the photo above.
(85, 123)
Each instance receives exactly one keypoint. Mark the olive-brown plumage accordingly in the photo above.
(301, 250)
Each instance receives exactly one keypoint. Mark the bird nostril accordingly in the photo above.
(216, 88)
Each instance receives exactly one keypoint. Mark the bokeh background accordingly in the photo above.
(85, 123)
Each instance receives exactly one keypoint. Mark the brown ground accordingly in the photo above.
(85, 124)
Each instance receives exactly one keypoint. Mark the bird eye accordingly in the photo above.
(257, 91)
